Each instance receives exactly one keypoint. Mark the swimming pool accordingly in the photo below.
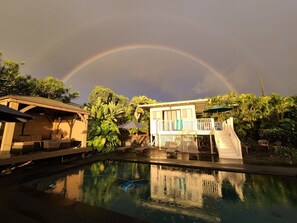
(158, 193)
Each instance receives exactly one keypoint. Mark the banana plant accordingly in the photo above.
(103, 132)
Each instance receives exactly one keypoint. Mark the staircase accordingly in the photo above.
(225, 146)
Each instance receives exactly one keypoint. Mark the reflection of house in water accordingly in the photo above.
(69, 186)
(188, 188)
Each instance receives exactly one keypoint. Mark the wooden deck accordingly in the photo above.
(6, 159)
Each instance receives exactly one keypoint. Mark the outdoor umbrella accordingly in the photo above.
(11, 115)
(132, 125)
(218, 108)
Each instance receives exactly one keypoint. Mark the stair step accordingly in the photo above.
(225, 146)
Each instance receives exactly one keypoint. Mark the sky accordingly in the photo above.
(168, 50)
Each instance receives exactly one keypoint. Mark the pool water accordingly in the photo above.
(158, 193)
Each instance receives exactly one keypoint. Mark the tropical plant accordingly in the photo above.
(134, 112)
(137, 113)
(103, 132)
(271, 117)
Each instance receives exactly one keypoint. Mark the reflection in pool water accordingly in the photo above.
(157, 193)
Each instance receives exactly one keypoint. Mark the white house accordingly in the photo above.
(177, 124)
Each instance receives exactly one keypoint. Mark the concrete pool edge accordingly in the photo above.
(226, 165)
(229, 167)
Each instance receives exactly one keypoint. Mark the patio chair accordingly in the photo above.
(246, 146)
(264, 143)
(193, 150)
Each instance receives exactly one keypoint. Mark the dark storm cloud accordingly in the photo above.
(243, 40)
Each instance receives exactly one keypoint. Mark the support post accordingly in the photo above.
(8, 131)
(158, 134)
(84, 137)
(211, 143)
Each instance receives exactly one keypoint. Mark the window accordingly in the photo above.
(187, 113)
(157, 115)
(172, 120)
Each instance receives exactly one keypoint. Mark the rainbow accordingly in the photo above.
(116, 50)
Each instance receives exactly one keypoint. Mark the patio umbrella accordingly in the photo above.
(218, 108)
(11, 115)
(132, 125)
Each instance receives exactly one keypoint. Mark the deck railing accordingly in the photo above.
(204, 124)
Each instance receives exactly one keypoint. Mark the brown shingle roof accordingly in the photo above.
(44, 102)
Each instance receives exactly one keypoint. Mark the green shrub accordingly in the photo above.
(284, 152)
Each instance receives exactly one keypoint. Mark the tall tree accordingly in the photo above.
(106, 95)
(12, 82)
(50, 87)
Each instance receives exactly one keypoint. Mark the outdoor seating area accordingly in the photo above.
(22, 147)
(30, 143)
(183, 150)
(40, 124)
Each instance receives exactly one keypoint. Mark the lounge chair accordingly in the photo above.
(123, 149)
(182, 147)
(141, 149)
(171, 148)
(24, 147)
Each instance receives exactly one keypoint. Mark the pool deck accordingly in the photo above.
(22, 204)
(206, 161)
(7, 158)
(159, 156)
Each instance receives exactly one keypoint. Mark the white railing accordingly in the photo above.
(205, 124)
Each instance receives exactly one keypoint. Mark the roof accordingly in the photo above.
(44, 102)
(200, 104)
